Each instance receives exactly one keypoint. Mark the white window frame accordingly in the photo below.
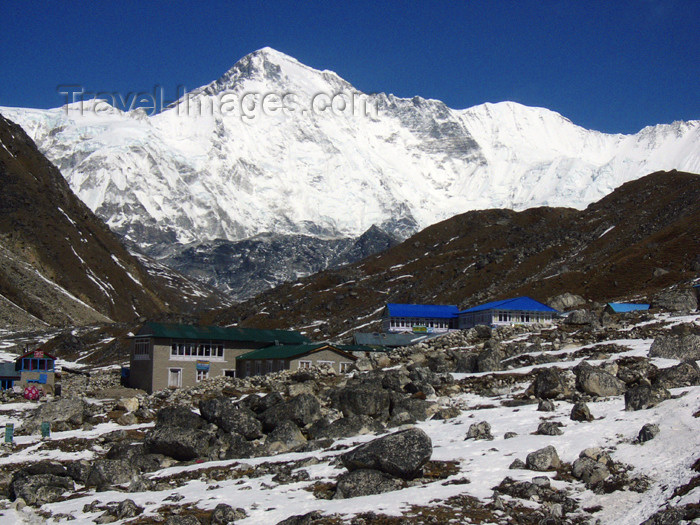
(179, 377)
(201, 375)
(223, 372)
(196, 350)
(344, 367)
(304, 364)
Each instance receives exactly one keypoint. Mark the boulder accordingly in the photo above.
(517, 464)
(550, 384)
(635, 370)
(480, 430)
(124, 510)
(549, 428)
(284, 437)
(581, 317)
(546, 405)
(589, 471)
(644, 396)
(179, 416)
(344, 427)
(63, 414)
(128, 404)
(684, 347)
(580, 412)
(231, 418)
(675, 301)
(38, 489)
(363, 401)
(465, 362)
(510, 435)
(680, 375)
(364, 482)
(543, 459)
(226, 515)
(180, 443)
(489, 360)
(233, 446)
(566, 301)
(648, 432)
(259, 404)
(597, 382)
(405, 409)
(401, 454)
(303, 409)
(107, 472)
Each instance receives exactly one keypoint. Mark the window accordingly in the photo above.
(175, 377)
(270, 366)
(258, 368)
(304, 364)
(202, 375)
(142, 348)
(345, 367)
(229, 373)
(280, 365)
(196, 350)
(248, 368)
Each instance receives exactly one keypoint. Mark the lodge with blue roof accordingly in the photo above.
(619, 308)
(419, 318)
(518, 310)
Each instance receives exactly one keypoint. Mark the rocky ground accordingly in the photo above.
(595, 420)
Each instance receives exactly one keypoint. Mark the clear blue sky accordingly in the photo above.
(613, 66)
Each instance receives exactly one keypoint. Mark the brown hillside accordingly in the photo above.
(492, 254)
(59, 263)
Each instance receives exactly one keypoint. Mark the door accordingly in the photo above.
(175, 378)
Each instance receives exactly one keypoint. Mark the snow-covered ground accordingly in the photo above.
(666, 460)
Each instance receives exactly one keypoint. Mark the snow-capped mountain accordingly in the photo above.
(258, 151)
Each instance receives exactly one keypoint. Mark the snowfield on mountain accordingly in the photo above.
(406, 164)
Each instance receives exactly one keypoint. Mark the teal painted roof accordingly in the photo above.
(220, 333)
(627, 307)
(282, 351)
(362, 348)
(8, 370)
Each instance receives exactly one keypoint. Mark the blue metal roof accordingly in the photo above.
(518, 304)
(627, 307)
(431, 311)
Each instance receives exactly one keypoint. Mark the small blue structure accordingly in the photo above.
(618, 308)
(419, 318)
(518, 310)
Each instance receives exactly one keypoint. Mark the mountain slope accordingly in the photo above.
(60, 264)
(643, 237)
(217, 166)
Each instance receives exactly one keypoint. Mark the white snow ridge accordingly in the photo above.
(405, 164)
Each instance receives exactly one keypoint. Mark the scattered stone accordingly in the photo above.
(226, 515)
(580, 317)
(178, 416)
(180, 443)
(231, 418)
(597, 382)
(684, 347)
(286, 436)
(644, 396)
(546, 405)
(401, 454)
(549, 428)
(64, 414)
(361, 401)
(517, 464)
(566, 301)
(543, 459)
(680, 375)
(364, 482)
(510, 435)
(480, 430)
(580, 412)
(591, 472)
(489, 360)
(302, 410)
(550, 384)
(648, 432)
(675, 301)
